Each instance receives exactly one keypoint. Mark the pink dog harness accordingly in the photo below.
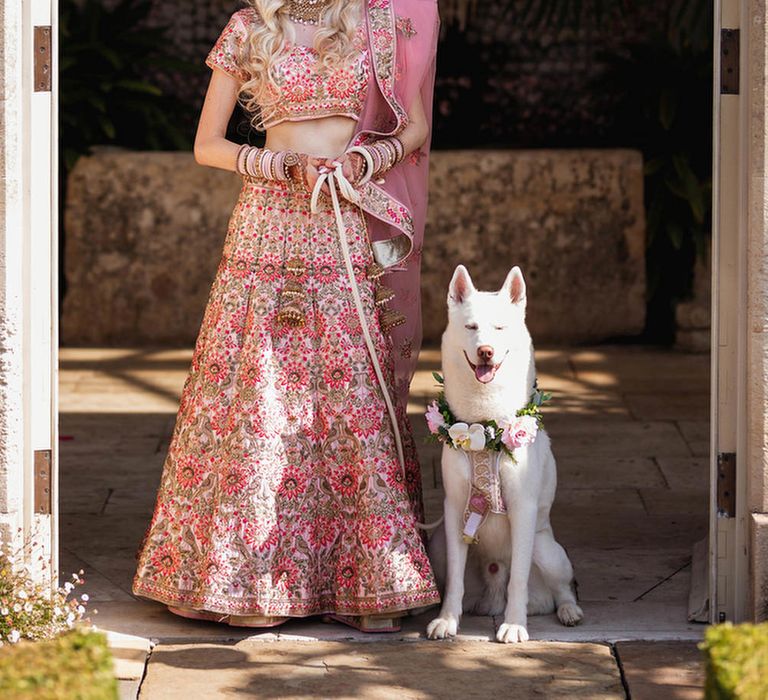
(484, 491)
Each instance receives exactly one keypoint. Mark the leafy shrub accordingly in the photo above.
(666, 111)
(107, 52)
(31, 610)
(77, 664)
(737, 662)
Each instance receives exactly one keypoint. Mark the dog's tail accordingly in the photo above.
(430, 526)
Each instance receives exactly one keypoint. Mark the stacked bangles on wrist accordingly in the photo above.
(379, 156)
(263, 163)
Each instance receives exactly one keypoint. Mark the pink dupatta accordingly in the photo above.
(402, 36)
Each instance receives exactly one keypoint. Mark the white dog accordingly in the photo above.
(515, 566)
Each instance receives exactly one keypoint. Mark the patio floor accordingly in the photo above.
(630, 432)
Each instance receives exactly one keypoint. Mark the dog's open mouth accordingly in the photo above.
(484, 372)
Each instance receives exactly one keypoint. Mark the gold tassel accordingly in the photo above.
(383, 295)
(295, 266)
(292, 316)
(293, 293)
(374, 271)
(390, 319)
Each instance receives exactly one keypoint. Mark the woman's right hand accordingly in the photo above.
(308, 171)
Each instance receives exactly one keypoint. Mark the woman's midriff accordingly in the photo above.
(326, 137)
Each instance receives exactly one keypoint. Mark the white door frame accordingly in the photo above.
(39, 279)
(728, 527)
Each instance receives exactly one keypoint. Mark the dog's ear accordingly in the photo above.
(461, 285)
(514, 286)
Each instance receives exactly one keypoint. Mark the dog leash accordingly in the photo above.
(335, 179)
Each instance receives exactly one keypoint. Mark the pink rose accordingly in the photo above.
(521, 432)
(434, 418)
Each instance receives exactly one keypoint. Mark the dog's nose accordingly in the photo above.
(485, 353)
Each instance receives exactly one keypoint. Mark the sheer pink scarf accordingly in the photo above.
(402, 36)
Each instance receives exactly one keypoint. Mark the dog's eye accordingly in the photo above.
(471, 326)
(499, 328)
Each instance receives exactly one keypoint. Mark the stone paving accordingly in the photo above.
(630, 433)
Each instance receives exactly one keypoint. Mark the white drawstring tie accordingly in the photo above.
(335, 179)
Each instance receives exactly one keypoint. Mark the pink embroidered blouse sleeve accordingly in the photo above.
(211, 147)
(225, 51)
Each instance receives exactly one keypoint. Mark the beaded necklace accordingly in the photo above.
(307, 12)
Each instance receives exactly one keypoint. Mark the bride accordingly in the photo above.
(291, 486)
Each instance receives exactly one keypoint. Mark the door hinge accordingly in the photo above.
(43, 501)
(726, 484)
(42, 59)
(729, 61)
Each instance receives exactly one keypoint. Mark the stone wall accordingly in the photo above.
(144, 233)
(145, 230)
(12, 358)
(572, 219)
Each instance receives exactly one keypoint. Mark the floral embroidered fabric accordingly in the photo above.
(302, 88)
(281, 493)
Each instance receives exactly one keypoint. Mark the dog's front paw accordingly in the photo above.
(510, 634)
(570, 614)
(442, 627)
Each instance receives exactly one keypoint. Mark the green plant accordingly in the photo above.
(77, 664)
(29, 609)
(736, 662)
(666, 112)
(106, 53)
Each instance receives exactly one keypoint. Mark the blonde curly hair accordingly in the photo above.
(334, 41)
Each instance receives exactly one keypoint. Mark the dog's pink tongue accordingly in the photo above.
(484, 373)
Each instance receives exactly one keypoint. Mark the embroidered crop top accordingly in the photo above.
(303, 88)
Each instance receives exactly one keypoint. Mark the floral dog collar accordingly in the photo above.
(487, 434)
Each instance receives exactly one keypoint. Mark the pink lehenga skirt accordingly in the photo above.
(282, 493)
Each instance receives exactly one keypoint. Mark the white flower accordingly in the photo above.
(4, 611)
(17, 607)
(68, 587)
(22, 594)
(14, 636)
(80, 609)
(75, 576)
(468, 437)
(27, 607)
(85, 597)
(70, 618)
